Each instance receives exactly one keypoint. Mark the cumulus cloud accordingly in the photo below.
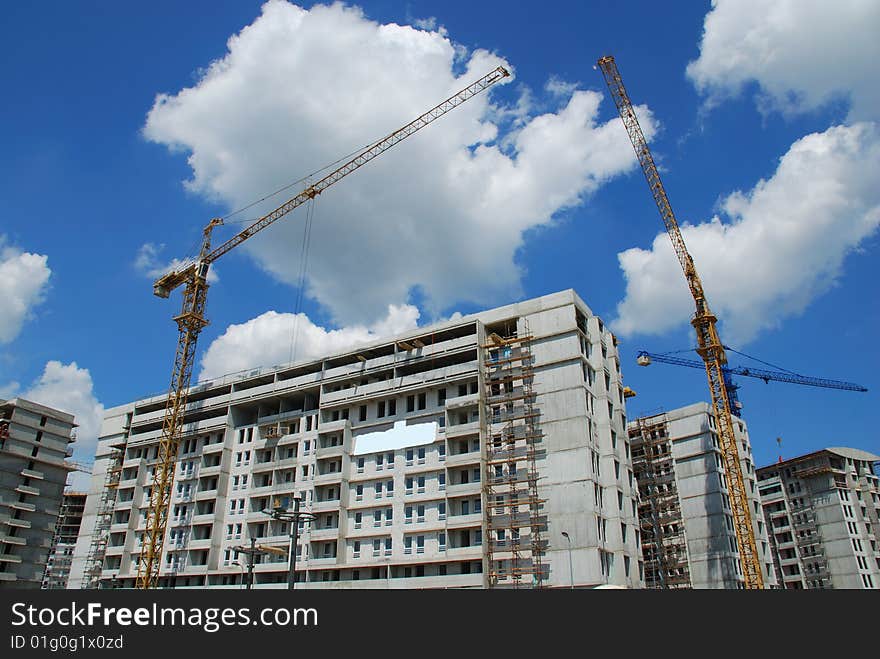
(68, 388)
(9, 390)
(801, 53)
(443, 213)
(266, 340)
(147, 262)
(429, 24)
(778, 246)
(558, 87)
(24, 278)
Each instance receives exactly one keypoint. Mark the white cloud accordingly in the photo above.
(68, 388)
(147, 262)
(782, 244)
(9, 390)
(802, 53)
(266, 339)
(24, 278)
(443, 213)
(558, 87)
(429, 24)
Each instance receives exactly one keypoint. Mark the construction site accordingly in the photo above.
(492, 450)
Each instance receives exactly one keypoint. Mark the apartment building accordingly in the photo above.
(688, 537)
(486, 451)
(34, 444)
(823, 513)
(64, 540)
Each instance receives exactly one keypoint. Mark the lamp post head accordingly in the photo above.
(565, 535)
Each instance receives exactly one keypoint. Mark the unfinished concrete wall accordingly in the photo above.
(270, 434)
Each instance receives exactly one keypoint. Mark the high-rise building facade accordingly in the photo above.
(485, 451)
(823, 511)
(34, 445)
(688, 537)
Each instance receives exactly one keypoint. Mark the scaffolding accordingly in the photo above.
(664, 544)
(67, 526)
(103, 520)
(514, 546)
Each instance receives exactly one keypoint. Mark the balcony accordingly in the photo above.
(263, 490)
(328, 427)
(462, 430)
(322, 561)
(27, 489)
(324, 534)
(9, 540)
(210, 470)
(462, 401)
(325, 506)
(330, 451)
(462, 488)
(461, 459)
(464, 521)
(327, 479)
(475, 551)
(30, 473)
(18, 523)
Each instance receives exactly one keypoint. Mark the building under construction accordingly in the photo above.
(34, 447)
(688, 539)
(824, 514)
(486, 451)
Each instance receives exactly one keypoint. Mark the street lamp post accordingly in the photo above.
(570, 568)
(251, 558)
(239, 564)
(293, 517)
(291, 553)
(251, 552)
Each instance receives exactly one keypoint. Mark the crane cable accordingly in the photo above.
(302, 179)
(742, 354)
(303, 269)
(761, 361)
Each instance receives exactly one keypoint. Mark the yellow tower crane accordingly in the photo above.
(709, 345)
(191, 320)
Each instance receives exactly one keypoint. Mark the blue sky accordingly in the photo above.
(94, 171)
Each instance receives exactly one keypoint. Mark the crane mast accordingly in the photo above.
(191, 320)
(709, 345)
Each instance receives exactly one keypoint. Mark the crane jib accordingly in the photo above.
(191, 321)
(362, 158)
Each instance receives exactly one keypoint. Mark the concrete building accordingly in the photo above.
(64, 540)
(34, 444)
(489, 450)
(823, 513)
(688, 538)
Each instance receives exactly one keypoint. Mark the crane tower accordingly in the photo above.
(709, 345)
